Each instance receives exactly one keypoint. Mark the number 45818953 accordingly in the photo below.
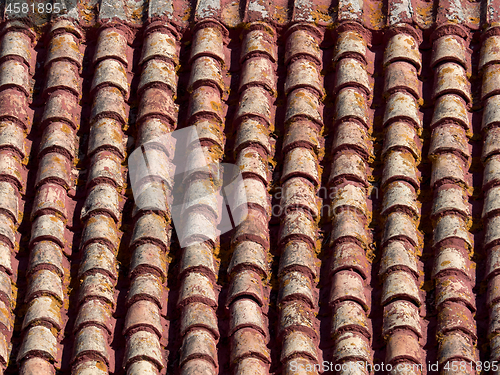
(33, 8)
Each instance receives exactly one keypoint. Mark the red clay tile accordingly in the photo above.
(289, 76)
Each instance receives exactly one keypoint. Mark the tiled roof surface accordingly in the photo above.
(368, 138)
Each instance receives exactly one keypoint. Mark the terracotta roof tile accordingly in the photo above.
(356, 131)
(350, 255)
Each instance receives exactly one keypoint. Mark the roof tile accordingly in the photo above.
(449, 108)
(302, 103)
(105, 167)
(350, 196)
(400, 165)
(145, 287)
(199, 344)
(63, 75)
(450, 198)
(258, 41)
(148, 258)
(5, 258)
(245, 312)
(251, 366)
(298, 225)
(14, 107)
(451, 226)
(403, 47)
(199, 315)
(296, 286)
(493, 262)
(110, 72)
(257, 71)
(12, 137)
(159, 45)
(108, 102)
(349, 316)
(297, 343)
(303, 73)
(196, 257)
(352, 346)
(94, 312)
(49, 198)
(9, 200)
(398, 285)
(208, 41)
(349, 165)
(402, 345)
(158, 73)
(401, 226)
(35, 365)
(402, 106)
(352, 135)
(15, 74)
(64, 46)
(11, 168)
(196, 287)
(98, 258)
(157, 103)
(48, 227)
(401, 75)
(53, 167)
(248, 255)
(454, 316)
(48, 255)
(97, 286)
(16, 44)
(248, 342)
(350, 44)
(144, 345)
(142, 367)
(351, 104)
(206, 71)
(449, 48)
(43, 310)
(246, 283)
(455, 288)
(399, 255)
(299, 193)
(58, 136)
(39, 339)
(349, 255)
(452, 259)
(352, 73)
(491, 80)
(348, 285)
(400, 196)
(198, 366)
(489, 51)
(451, 78)
(95, 367)
(449, 167)
(401, 315)
(302, 43)
(92, 341)
(61, 106)
(102, 198)
(458, 346)
(253, 229)
(491, 141)
(111, 44)
(296, 315)
(256, 194)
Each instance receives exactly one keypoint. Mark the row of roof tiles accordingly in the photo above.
(44, 330)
